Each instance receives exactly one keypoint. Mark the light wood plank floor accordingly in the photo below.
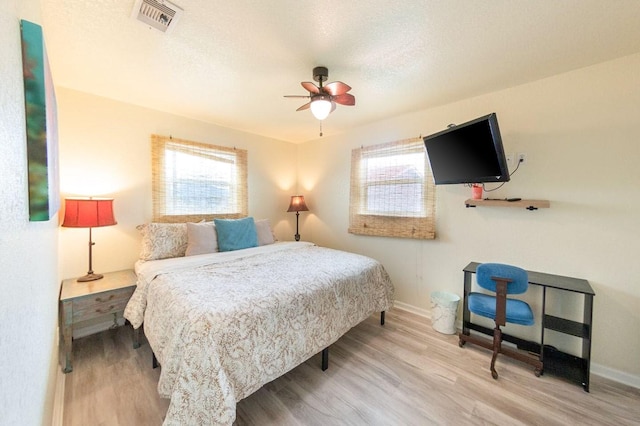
(404, 373)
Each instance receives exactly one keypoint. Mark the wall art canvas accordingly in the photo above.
(41, 125)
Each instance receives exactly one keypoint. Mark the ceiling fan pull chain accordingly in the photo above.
(320, 128)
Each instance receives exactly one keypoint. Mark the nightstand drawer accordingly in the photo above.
(97, 305)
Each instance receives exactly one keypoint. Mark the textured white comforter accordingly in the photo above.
(227, 323)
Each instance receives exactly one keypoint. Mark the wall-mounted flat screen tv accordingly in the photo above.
(468, 153)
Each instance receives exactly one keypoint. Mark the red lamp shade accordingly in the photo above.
(88, 212)
(297, 204)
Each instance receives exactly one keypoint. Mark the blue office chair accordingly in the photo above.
(502, 280)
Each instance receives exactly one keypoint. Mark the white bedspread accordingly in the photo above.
(223, 325)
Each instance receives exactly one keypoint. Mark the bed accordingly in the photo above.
(223, 324)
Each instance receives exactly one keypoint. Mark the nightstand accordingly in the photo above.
(81, 301)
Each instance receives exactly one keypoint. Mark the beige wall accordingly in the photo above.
(581, 134)
(28, 251)
(578, 131)
(105, 151)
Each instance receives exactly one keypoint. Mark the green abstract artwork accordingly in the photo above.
(41, 125)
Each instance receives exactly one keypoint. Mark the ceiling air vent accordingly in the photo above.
(159, 14)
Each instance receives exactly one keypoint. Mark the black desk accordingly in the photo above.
(562, 364)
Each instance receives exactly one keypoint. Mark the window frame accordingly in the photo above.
(397, 223)
(162, 185)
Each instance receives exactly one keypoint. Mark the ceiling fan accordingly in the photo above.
(323, 98)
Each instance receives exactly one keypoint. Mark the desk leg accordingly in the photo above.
(586, 340)
(543, 322)
(466, 315)
(66, 334)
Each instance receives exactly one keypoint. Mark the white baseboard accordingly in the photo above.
(58, 400)
(426, 313)
(413, 309)
(597, 369)
(615, 375)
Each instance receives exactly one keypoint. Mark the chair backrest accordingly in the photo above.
(518, 276)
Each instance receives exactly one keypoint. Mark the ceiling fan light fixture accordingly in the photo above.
(324, 97)
(320, 107)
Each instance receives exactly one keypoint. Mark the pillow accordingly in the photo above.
(236, 234)
(202, 238)
(265, 234)
(163, 240)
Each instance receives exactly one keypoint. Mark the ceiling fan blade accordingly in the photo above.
(336, 88)
(305, 106)
(310, 87)
(297, 96)
(345, 99)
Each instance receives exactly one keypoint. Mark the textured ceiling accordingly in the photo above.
(231, 62)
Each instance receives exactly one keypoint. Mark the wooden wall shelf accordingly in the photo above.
(527, 204)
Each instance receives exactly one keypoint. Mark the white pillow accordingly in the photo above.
(163, 240)
(202, 238)
(265, 234)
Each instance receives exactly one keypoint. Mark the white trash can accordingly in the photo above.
(444, 307)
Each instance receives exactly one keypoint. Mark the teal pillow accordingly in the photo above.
(236, 234)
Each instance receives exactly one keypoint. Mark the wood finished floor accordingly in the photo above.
(404, 373)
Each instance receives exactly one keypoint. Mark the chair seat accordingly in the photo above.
(518, 312)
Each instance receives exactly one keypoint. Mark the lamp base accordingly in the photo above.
(90, 277)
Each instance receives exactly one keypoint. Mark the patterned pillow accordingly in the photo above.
(163, 240)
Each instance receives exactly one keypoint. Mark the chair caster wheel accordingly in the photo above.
(538, 372)
(461, 343)
(494, 374)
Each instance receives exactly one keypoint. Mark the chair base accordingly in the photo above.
(496, 347)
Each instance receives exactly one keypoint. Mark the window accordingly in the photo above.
(194, 181)
(392, 191)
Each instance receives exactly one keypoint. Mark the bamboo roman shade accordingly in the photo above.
(392, 191)
(194, 181)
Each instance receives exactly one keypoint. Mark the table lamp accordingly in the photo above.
(297, 205)
(88, 213)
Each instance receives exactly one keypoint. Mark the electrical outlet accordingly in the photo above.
(521, 157)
